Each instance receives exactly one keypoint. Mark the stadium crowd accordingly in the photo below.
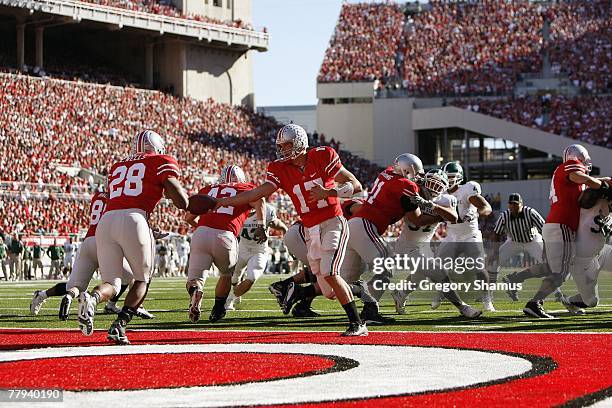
(46, 121)
(470, 48)
(580, 43)
(364, 44)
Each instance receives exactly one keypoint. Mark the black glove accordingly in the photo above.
(425, 205)
(260, 234)
(605, 190)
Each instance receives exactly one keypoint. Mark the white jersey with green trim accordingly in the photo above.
(247, 238)
(412, 233)
(465, 229)
(590, 238)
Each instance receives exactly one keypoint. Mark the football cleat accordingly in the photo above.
(87, 311)
(573, 309)
(37, 302)
(144, 313)
(195, 306)
(356, 329)
(304, 310)
(292, 295)
(437, 300)
(216, 315)
(117, 334)
(534, 309)
(371, 315)
(278, 290)
(111, 308)
(512, 293)
(487, 303)
(229, 303)
(469, 311)
(399, 298)
(64, 308)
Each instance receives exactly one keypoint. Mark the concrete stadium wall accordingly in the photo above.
(169, 65)
(225, 76)
(202, 72)
(393, 129)
(238, 9)
(350, 124)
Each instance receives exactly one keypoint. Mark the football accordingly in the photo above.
(201, 203)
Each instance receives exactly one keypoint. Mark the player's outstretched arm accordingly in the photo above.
(580, 177)
(483, 206)
(247, 197)
(447, 214)
(174, 191)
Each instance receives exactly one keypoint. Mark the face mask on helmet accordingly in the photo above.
(436, 182)
(454, 172)
(291, 141)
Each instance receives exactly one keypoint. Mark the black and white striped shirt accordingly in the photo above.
(519, 228)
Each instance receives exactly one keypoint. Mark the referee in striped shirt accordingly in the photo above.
(523, 228)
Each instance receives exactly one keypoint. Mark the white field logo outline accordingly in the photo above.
(381, 371)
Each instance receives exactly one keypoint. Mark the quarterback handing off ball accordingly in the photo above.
(201, 203)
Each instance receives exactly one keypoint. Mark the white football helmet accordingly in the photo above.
(579, 153)
(232, 174)
(291, 133)
(409, 166)
(436, 182)
(148, 141)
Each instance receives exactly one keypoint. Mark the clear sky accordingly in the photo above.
(299, 34)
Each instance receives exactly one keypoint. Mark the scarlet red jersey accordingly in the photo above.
(383, 206)
(322, 166)
(138, 181)
(347, 204)
(96, 209)
(226, 218)
(564, 194)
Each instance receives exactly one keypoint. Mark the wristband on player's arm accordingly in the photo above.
(344, 190)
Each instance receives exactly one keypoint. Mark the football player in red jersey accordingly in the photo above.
(393, 196)
(85, 265)
(295, 242)
(314, 179)
(559, 231)
(215, 240)
(135, 186)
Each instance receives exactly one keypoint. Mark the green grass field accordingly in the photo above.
(168, 300)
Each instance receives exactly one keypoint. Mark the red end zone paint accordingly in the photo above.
(142, 371)
(582, 360)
